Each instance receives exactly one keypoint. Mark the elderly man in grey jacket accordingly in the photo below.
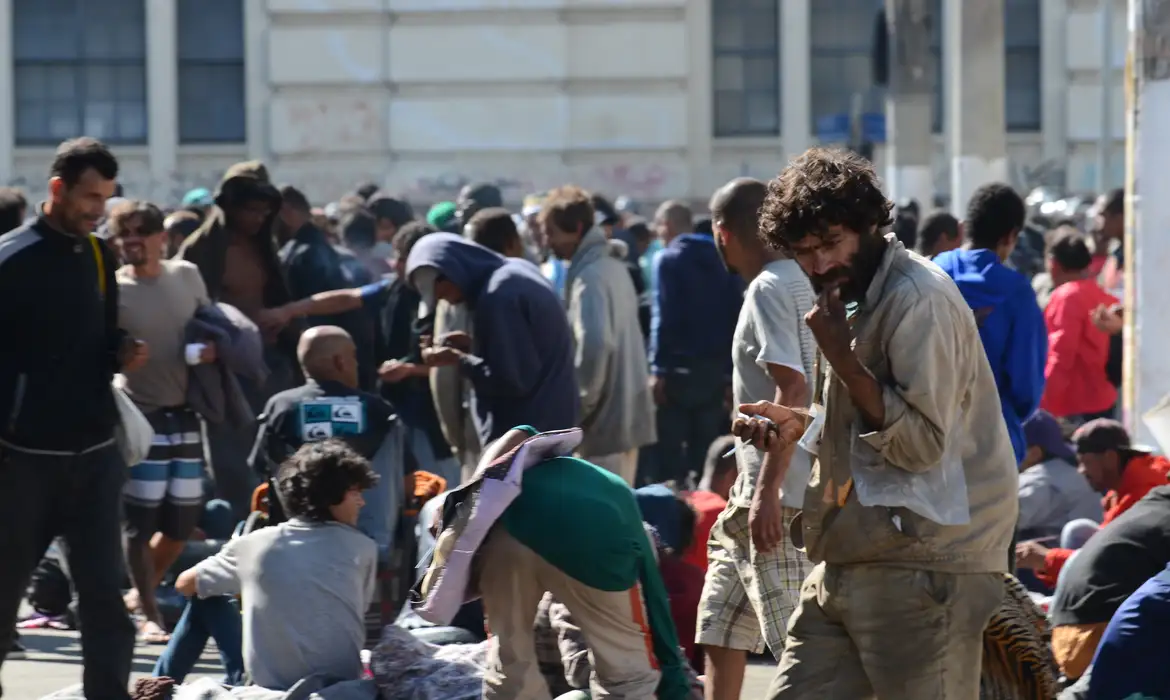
(617, 411)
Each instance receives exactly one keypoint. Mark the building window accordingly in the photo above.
(211, 71)
(80, 69)
(746, 71)
(1021, 39)
(842, 35)
(1022, 81)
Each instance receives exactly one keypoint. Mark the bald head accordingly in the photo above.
(735, 208)
(328, 353)
(673, 219)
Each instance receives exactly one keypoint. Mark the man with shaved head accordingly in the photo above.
(330, 405)
(694, 305)
(754, 571)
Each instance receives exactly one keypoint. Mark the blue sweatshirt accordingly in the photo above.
(522, 368)
(695, 307)
(1012, 328)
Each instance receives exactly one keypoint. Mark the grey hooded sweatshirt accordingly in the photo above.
(521, 365)
(617, 410)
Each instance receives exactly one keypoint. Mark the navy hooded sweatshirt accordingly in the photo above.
(1012, 328)
(695, 306)
(521, 366)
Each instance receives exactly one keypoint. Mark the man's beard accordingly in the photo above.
(857, 272)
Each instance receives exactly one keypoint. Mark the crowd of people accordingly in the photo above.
(618, 456)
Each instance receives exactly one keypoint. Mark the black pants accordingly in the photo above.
(693, 416)
(79, 498)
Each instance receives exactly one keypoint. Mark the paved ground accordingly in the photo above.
(54, 662)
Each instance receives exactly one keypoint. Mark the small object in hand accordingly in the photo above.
(194, 353)
(772, 427)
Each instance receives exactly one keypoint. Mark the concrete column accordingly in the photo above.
(162, 88)
(795, 81)
(1147, 248)
(973, 34)
(8, 89)
(700, 98)
(1054, 79)
(257, 91)
(909, 102)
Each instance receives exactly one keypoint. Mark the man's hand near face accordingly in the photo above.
(830, 327)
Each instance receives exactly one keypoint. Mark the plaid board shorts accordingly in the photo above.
(164, 492)
(748, 596)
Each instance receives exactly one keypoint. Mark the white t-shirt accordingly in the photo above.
(771, 331)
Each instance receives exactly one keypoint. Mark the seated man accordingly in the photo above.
(1052, 491)
(1113, 564)
(1121, 471)
(305, 584)
(576, 531)
(330, 405)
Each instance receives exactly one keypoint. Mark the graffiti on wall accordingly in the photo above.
(1028, 176)
(637, 182)
(446, 186)
(166, 191)
(339, 125)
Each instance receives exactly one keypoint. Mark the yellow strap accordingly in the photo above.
(101, 266)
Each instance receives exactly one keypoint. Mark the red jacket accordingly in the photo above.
(707, 507)
(1075, 379)
(1141, 474)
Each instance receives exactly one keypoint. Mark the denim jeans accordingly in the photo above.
(215, 618)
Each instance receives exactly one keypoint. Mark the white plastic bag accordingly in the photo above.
(938, 494)
(134, 434)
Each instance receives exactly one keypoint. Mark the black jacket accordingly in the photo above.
(61, 340)
(311, 265)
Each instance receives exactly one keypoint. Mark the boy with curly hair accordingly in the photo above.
(305, 584)
(900, 593)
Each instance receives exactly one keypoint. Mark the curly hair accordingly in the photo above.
(823, 187)
(318, 476)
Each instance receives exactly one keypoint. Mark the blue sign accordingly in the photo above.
(837, 128)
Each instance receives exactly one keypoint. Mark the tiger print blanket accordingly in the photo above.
(1017, 651)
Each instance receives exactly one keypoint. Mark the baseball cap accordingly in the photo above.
(198, 197)
(1102, 435)
(532, 205)
(423, 280)
(441, 214)
(1043, 430)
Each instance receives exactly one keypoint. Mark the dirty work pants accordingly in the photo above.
(887, 633)
(79, 498)
(513, 580)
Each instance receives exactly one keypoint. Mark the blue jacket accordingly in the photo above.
(522, 368)
(1012, 328)
(695, 306)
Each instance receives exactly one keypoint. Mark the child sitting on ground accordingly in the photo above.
(305, 584)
